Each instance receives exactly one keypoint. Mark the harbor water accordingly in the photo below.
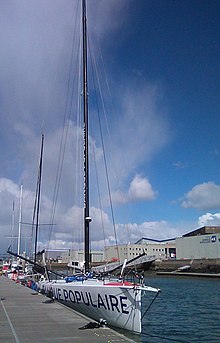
(186, 310)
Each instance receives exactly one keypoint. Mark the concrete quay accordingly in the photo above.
(203, 266)
(26, 316)
(208, 275)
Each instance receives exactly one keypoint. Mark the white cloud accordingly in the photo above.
(179, 165)
(140, 189)
(101, 19)
(68, 231)
(41, 68)
(8, 187)
(203, 196)
(33, 91)
(153, 229)
(209, 219)
(139, 130)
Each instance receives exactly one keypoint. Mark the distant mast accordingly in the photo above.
(87, 218)
(20, 219)
(13, 225)
(38, 196)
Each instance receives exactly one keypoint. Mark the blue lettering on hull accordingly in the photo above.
(107, 302)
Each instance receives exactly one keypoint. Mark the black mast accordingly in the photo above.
(38, 197)
(87, 218)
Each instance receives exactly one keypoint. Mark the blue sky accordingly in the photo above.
(162, 64)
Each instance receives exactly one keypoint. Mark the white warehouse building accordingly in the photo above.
(202, 243)
(152, 248)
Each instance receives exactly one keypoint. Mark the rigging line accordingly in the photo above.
(107, 126)
(42, 224)
(99, 196)
(103, 147)
(108, 88)
(106, 121)
(61, 156)
(96, 169)
(149, 306)
(33, 216)
(79, 150)
(63, 136)
(110, 97)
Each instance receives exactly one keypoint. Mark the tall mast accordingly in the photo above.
(87, 219)
(13, 226)
(20, 219)
(38, 196)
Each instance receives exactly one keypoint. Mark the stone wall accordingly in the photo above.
(196, 265)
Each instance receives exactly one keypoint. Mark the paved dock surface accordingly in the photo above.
(26, 316)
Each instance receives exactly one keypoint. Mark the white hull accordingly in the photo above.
(119, 304)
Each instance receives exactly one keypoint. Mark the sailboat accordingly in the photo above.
(117, 302)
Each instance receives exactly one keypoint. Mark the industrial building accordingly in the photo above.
(202, 243)
(154, 248)
(73, 256)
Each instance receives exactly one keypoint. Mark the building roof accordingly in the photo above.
(205, 230)
(154, 240)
